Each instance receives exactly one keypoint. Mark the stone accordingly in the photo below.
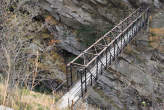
(98, 13)
(5, 108)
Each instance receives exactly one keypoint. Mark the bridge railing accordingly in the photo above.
(101, 49)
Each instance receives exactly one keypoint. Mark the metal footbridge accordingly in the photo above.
(85, 68)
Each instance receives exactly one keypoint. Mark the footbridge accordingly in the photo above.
(86, 68)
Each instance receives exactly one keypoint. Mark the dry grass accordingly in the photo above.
(155, 38)
(158, 31)
(24, 99)
(51, 20)
(28, 100)
(128, 49)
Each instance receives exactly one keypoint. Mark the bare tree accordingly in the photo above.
(14, 47)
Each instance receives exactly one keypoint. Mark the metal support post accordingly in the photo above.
(81, 76)
(85, 72)
(71, 75)
(67, 77)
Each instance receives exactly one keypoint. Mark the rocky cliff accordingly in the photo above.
(88, 19)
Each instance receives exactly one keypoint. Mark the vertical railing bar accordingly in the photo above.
(106, 53)
(132, 31)
(71, 75)
(124, 42)
(140, 22)
(77, 75)
(67, 78)
(121, 40)
(81, 76)
(85, 72)
(120, 45)
(110, 56)
(144, 20)
(114, 50)
(128, 35)
(91, 79)
(101, 70)
(147, 17)
(136, 24)
(84, 59)
(97, 67)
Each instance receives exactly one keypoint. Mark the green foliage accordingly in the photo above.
(42, 89)
(144, 103)
(153, 34)
(87, 35)
(25, 91)
(80, 60)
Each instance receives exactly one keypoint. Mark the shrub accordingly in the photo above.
(87, 35)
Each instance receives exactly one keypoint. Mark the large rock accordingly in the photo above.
(76, 12)
(91, 12)
(73, 14)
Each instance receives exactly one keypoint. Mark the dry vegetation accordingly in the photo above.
(28, 57)
(155, 38)
(22, 45)
(24, 99)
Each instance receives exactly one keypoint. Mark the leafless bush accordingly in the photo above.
(14, 46)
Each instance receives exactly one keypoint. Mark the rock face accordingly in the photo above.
(101, 14)
(92, 12)
(135, 80)
(73, 13)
